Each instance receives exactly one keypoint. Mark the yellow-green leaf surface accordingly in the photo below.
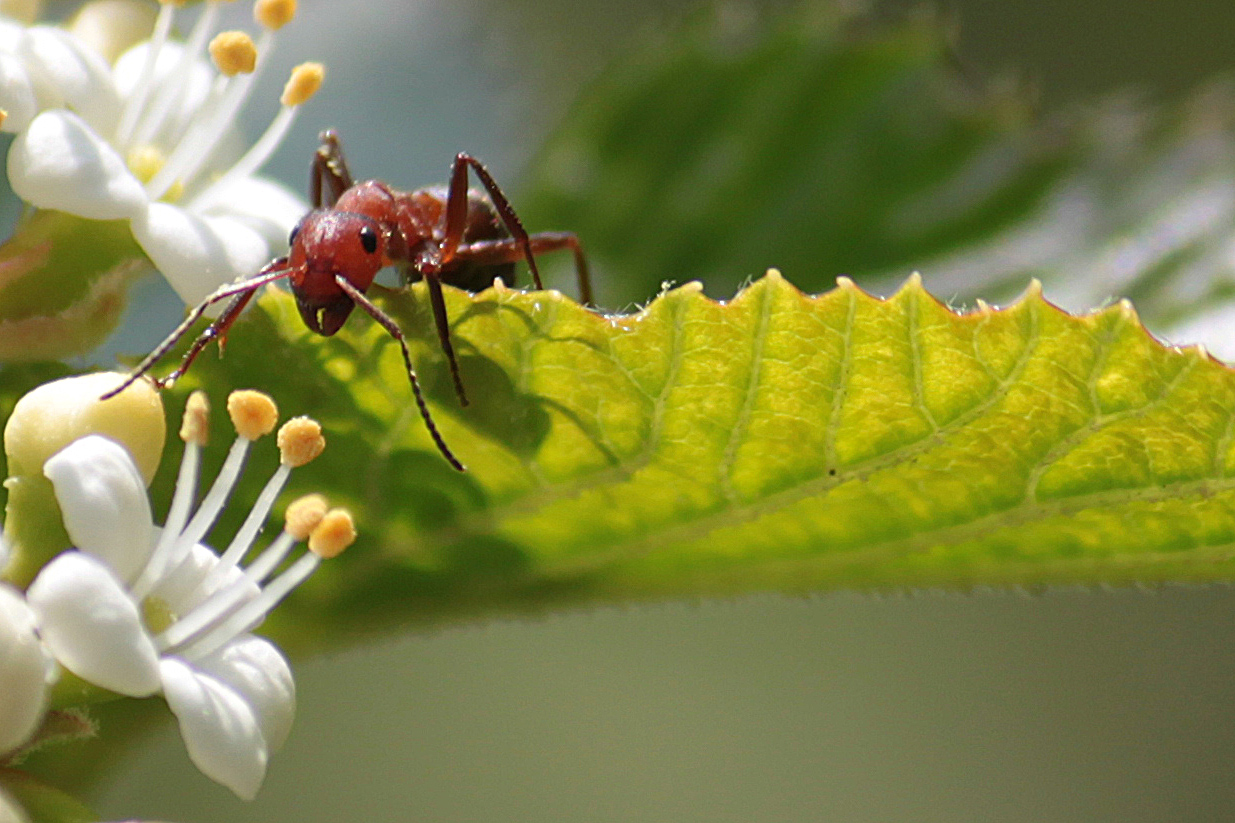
(777, 441)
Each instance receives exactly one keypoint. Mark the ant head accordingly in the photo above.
(327, 244)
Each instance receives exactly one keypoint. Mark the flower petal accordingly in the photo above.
(259, 672)
(22, 671)
(268, 207)
(219, 728)
(103, 502)
(92, 625)
(11, 35)
(197, 254)
(16, 93)
(183, 589)
(59, 162)
(70, 75)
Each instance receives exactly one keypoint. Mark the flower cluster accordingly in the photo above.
(150, 138)
(139, 610)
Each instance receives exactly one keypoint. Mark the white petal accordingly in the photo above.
(182, 589)
(72, 76)
(219, 728)
(103, 502)
(269, 207)
(11, 35)
(198, 254)
(22, 671)
(16, 93)
(259, 672)
(60, 163)
(92, 625)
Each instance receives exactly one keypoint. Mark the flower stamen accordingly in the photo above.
(188, 158)
(300, 441)
(145, 81)
(303, 83)
(233, 53)
(274, 14)
(171, 92)
(251, 414)
(228, 612)
(193, 431)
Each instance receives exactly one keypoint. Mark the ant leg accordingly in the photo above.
(494, 252)
(456, 212)
(215, 331)
(438, 302)
(393, 329)
(329, 168)
(243, 291)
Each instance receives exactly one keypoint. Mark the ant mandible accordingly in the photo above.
(451, 236)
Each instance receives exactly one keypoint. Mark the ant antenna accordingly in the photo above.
(242, 292)
(389, 325)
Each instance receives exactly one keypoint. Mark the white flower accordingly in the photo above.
(141, 610)
(151, 140)
(23, 670)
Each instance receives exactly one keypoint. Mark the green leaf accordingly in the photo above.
(63, 284)
(777, 441)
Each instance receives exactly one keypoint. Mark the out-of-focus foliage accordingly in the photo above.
(824, 146)
(815, 142)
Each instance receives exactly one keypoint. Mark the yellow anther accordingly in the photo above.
(233, 53)
(274, 14)
(145, 162)
(253, 413)
(303, 516)
(306, 79)
(4, 115)
(334, 534)
(195, 425)
(300, 441)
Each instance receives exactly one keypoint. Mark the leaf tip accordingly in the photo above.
(1033, 291)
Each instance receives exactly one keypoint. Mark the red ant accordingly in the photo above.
(451, 236)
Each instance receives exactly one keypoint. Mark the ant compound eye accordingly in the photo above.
(291, 238)
(368, 239)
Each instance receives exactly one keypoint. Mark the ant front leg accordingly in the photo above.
(394, 331)
(330, 170)
(456, 213)
(241, 293)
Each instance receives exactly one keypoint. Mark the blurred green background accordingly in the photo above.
(993, 706)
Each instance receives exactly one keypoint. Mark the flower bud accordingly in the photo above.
(55, 414)
(111, 27)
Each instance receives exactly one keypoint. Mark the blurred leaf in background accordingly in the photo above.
(823, 144)
(815, 141)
